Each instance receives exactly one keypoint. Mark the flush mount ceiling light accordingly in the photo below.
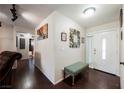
(89, 11)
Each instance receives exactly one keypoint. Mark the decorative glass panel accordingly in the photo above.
(104, 48)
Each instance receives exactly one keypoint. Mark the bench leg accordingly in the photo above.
(73, 78)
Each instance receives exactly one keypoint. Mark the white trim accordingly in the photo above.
(99, 31)
(91, 66)
(60, 80)
(45, 75)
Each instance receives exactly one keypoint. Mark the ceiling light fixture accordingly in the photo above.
(14, 14)
(89, 11)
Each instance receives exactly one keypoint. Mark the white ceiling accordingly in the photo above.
(104, 13)
(32, 14)
(29, 15)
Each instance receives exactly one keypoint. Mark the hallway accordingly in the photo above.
(28, 76)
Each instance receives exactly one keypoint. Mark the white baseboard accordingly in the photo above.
(45, 75)
(90, 66)
(58, 81)
(106, 72)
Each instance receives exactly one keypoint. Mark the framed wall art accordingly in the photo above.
(74, 38)
(0, 24)
(42, 32)
(82, 40)
(16, 41)
(121, 17)
(63, 36)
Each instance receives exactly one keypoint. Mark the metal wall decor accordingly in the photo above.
(74, 38)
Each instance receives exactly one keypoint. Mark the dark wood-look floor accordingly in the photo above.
(28, 76)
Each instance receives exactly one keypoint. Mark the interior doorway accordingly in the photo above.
(31, 47)
(102, 51)
(25, 45)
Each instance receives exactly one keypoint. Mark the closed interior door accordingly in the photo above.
(23, 47)
(105, 51)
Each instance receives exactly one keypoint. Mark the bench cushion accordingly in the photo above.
(75, 68)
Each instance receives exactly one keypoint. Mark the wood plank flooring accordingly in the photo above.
(29, 77)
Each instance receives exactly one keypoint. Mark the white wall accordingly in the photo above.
(103, 27)
(20, 29)
(122, 55)
(122, 41)
(64, 55)
(107, 27)
(7, 38)
(8, 34)
(52, 55)
(44, 51)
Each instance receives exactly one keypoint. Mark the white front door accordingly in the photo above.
(105, 51)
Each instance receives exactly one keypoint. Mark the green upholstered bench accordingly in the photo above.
(74, 69)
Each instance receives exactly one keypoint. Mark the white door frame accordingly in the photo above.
(24, 52)
(89, 34)
(89, 39)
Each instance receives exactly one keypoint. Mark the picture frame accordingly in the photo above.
(63, 36)
(82, 40)
(16, 41)
(43, 32)
(0, 24)
(121, 17)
